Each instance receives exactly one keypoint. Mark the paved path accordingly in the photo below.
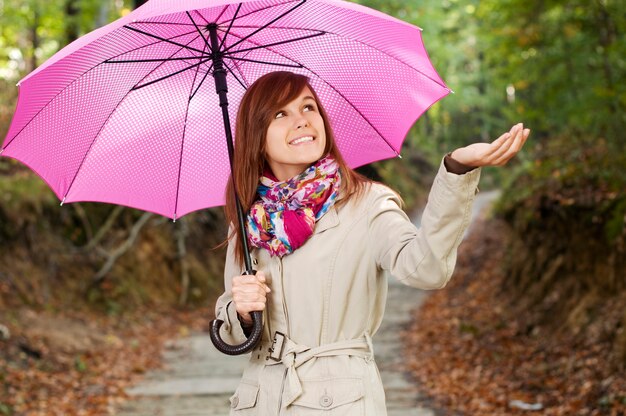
(198, 380)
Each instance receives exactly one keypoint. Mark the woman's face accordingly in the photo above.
(297, 119)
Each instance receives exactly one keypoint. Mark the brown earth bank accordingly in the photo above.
(475, 357)
(71, 363)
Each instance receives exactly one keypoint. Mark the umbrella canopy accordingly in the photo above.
(129, 115)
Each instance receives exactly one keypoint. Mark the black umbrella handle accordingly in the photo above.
(247, 345)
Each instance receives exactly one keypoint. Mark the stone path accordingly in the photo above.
(198, 380)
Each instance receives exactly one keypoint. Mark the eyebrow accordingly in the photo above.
(308, 97)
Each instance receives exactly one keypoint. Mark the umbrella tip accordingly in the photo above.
(174, 217)
(450, 90)
(399, 155)
(62, 201)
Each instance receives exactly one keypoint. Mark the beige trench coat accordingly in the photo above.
(328, 299)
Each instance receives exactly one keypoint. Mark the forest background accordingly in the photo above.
(559, 67)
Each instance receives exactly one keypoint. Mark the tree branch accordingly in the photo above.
(181, 236)
(119, 251)
(104, 229)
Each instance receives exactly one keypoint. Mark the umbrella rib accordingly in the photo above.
(254, 11)
(264, 62)
(274, 44)
(237, 78)
(338, 93)
(145, 22)
(218, 16)
(264, 26)
(278, 27)
(150, 44)
(180, 58)
(106, 121)
(206, 42)
(182, 144)
(79, 77)
(136, 87)
(202, 81)
(392, 57)
(162, 39)
(229, 26)
(236, 65)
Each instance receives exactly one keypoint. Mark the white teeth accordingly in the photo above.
(302, 139)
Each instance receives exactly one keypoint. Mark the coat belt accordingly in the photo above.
(294, 355)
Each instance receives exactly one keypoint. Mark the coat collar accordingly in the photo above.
(329, 220)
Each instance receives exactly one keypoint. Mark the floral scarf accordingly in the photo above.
(284, 216)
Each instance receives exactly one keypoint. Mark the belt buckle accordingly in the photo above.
(278, 336)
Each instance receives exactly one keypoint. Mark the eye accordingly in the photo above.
(280, 112)
(310, 105)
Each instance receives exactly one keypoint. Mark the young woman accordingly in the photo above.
(322, 239)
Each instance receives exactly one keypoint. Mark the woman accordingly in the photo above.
(322, 238)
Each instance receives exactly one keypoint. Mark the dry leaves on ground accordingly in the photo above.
(474, 359)
(74, 364)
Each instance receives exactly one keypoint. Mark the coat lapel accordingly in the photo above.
(329, 219)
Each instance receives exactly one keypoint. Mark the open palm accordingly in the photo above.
(496, 153)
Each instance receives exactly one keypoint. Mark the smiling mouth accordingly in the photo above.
(305, 139)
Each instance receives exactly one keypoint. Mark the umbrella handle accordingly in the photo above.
(246, 346)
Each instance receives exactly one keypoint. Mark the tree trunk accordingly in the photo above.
(72, 13)
(103, 14)
(138, 3)
(34, 37)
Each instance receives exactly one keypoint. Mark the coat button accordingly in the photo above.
(235, 402)
(255, 261)
(326, 401)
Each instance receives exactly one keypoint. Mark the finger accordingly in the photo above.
(501, 149)
(252, 307)
(522, 139)
(513, 148)
(253, 288)
(497, 144)
(262, 279)
(247, 297)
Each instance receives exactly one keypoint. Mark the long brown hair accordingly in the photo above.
(260, 101)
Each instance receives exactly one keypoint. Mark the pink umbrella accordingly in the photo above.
(126, 115)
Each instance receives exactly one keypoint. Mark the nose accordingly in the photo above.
(301, 122)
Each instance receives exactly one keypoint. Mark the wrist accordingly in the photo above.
(453, 165)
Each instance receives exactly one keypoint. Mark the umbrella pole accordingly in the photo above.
(219, 73)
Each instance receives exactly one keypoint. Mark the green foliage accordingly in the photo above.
(25, 22)
(577, 179)
(5, 409)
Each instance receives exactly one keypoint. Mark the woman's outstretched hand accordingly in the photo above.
(496, 153)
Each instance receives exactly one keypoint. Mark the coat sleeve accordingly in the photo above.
(423, 257)
(231, 331)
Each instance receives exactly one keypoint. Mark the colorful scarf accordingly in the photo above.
(284, 216)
